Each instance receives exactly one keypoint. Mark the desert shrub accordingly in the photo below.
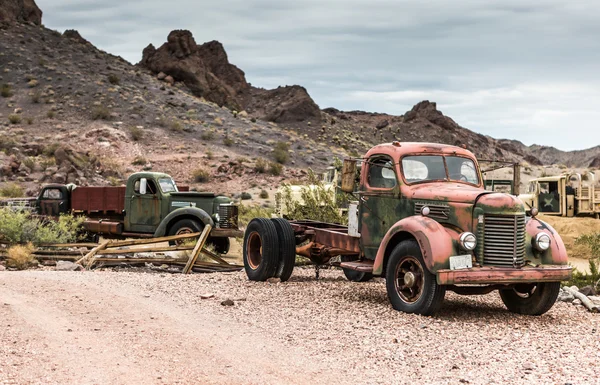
(36, 96)
(47, 162)
(264, 194)
(29, 120)
(114, 79)
(114, 181)
(245, 196)
(209, 154)
(207, 135)
(29, 162)
(51, 114)
(100, 113)
(579, 279)
(14, 118)
(20, 257)
(316, 202)
(175, 125)
(275, 169)
(21, 227)
(50, 149)
(32, 83)
(280, 152)
(11, 190)
(139, 161)
(249, 212)
(227, 141)
(260, 165)
(201, 175)
(136, 133)
(110, 166)
(6, 91)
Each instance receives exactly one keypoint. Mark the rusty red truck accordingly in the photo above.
(149, 205)
(424, 221)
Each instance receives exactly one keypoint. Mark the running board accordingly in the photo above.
(365, 266)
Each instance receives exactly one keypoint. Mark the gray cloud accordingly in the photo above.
(500, 67)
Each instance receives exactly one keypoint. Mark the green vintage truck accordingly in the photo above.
(151, 205)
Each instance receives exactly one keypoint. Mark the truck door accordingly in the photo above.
(549, 198)
(142, 208)
(379, 206)
(53, 201)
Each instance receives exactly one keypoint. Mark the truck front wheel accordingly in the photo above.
(530, 299)
(184, 226)
(411, 288)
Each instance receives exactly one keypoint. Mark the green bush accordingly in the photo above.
(227, 141)
(175, 125)
(11, 190)
(136, 132)
(14, 118)
(280, 152)
(247, 213)
(6, 91)
(260, 165)
(579, 279)
(264, 194)
(201, 175)
(100, 113)
(245, 196)
(275, 169)
(21, 227)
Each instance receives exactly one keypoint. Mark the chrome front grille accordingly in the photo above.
(435, 211)
(228, 216)
(504, 240)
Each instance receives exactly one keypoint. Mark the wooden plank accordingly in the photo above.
(151, 249)
(93, 252)
(214, 256)
(88, 245)
(196, 252)
(146, 241)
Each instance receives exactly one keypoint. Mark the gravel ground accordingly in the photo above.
(128, 327)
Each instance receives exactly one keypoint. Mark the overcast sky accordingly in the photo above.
(504, 68)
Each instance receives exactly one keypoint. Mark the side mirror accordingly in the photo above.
(348, 175)
(143, 185)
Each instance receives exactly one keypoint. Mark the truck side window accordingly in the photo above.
(381, 173)
(52, 193)
(151, 188)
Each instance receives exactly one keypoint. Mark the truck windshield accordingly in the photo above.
(424, 168)
(167, 185)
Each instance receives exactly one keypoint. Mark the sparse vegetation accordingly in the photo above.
(247, 213)
(6, 91)
(175, 125)
(139, 161)
(227, 141)
(100, 113)
(264, 194)
(114, 79)
(11, 190)
(20, 227)
(36, 96)
(209, 154)
(245, 196)
(14, 118)
(275, 169)
(29, 120)
(114, 181)
(280, 152)
(32, 83)
(201, 175)
(260, 165)
(51, 114)
(137, 133)
(50, 149)
(207, 135)
(21, 257)
(29, 162)
(579, 279)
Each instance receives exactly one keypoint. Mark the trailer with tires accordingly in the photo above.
(423, 221)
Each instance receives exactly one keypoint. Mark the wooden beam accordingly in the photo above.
(130, 242)
(196, 252)
(93, 252)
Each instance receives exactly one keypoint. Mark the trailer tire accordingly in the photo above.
(534, 299)
(353, 275)
(261, 249)
(411, 288)
(185, 226)
(287, 249)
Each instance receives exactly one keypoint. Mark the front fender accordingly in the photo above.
(556, 254)
(181, 213)
(436, 242)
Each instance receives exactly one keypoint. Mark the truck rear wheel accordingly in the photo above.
(411, 288)
(353, 275)
(287, 249)
(261, 249)
(531, 299)
(184, 226)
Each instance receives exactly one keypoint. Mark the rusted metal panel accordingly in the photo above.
(493, 275)
(103, 227)
(365, 266)
(98, 199)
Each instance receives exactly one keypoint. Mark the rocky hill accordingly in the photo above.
(70, 112)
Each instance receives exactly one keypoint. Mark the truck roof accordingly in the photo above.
(397, 149)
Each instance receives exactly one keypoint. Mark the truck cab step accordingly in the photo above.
(365, 266)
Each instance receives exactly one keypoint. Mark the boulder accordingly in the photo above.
(587, 290)
(289, 104)
(67, 266)
(73, 34)
(22, 11)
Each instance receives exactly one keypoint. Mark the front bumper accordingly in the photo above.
(493, 275)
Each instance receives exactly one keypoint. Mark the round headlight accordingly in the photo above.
(468, 241)
(541, 241)
(217, 218)
(425, 211)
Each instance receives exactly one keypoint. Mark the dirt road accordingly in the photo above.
(134, 328)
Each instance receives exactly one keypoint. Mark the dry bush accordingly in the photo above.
(14, 118)
(264, 194)
(207, 135)
(35, 96)
(280, 152)
(136, 132)
(227, 141)
(114, 79)
(275, 169)
(12, 190)
(51, 114)
(100, 113)
(20, 257)
(139, 161)
(260, 165)
(201, 175)
(6, 91)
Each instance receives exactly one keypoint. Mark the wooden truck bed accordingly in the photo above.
(98, 199)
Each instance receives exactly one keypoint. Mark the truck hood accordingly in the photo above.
(448, 192)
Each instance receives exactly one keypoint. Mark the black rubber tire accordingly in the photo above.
(287, 249)
(261, 249)
(194, 226)
(430, 296)
(353, 275)
(537, 303)
(221, 244)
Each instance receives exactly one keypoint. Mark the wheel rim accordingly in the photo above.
(409, 279)
(525, 290)
(254, 250)
(181, 231)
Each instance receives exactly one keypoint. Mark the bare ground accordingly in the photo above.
(126, 327)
